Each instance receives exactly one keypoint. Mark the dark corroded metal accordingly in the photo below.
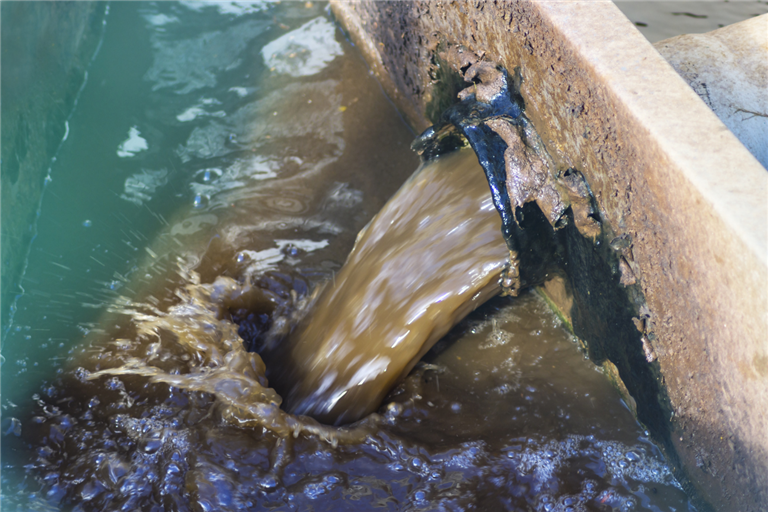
(469, 117)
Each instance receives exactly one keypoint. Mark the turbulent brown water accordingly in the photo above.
(503, 413)
(432, 255)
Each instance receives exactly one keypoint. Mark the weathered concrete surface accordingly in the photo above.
(46, 47)
(728, 69)
(681, 198)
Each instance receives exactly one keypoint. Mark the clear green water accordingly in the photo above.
(198, 137)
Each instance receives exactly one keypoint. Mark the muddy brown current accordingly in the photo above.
(167, 405)
(433, 254)
(503, 413)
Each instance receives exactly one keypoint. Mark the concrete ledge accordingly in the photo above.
(728, 69)
(686, 201)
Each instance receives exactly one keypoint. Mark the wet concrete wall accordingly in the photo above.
(46, 48)
(672, 297)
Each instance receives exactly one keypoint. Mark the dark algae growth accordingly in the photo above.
(231, 360)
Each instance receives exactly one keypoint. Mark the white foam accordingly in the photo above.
(305, 51)
(133, 144)
(159, 20)
(140, 187)
(235, 8)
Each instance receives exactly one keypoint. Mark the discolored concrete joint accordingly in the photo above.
(673, 292)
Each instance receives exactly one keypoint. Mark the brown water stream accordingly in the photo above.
(432, 255)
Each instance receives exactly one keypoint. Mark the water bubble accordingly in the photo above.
(114, 384)
(291, 250)
(456, 407)
(12, 426)
(152, 443)
(209, 175)
(200, 201)
(632, 456)
(269, 482)
(394, 409)
(86, 223)
(66, 422)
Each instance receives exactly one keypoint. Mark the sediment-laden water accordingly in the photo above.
(433, 254)
(221, 177)
(504, 414)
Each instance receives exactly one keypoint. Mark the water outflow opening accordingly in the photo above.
(490, 98)
(490, 118)
(533, 198)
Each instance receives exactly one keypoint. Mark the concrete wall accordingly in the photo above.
(46, 47)
(673, 295)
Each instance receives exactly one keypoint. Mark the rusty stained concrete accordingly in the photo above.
(670, 180)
